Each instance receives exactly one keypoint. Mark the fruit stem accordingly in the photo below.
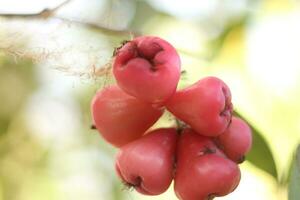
(211, 197)
(241, 159)
(180, 126)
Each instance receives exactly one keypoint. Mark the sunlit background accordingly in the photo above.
(49, 71)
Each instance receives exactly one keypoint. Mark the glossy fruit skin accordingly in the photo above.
(205, 106)
(147, 68)
(236, 141)
(203, 171)
(147, 164)
(121, 118)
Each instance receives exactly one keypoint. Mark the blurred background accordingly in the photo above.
(53, 58)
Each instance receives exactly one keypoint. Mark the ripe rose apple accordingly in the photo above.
(236, 141)
(121, 118)
(147, 164)
(203, 171)
(147, 68)
(205, 106)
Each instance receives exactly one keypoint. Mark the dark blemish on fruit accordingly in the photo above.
(209, 150)
(93, 127)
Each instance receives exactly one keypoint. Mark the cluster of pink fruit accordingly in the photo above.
(201, 156)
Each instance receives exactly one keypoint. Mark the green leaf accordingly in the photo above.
(260, 154)
(294, 186)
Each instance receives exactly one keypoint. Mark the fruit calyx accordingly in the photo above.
(132, 50)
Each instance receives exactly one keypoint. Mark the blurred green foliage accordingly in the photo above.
(260, 154)
(20, 154)
(294, 185)
(16, 83)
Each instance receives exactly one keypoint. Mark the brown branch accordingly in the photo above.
(50, 13)
(45, 13)
(59, 6)
(100, 28)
